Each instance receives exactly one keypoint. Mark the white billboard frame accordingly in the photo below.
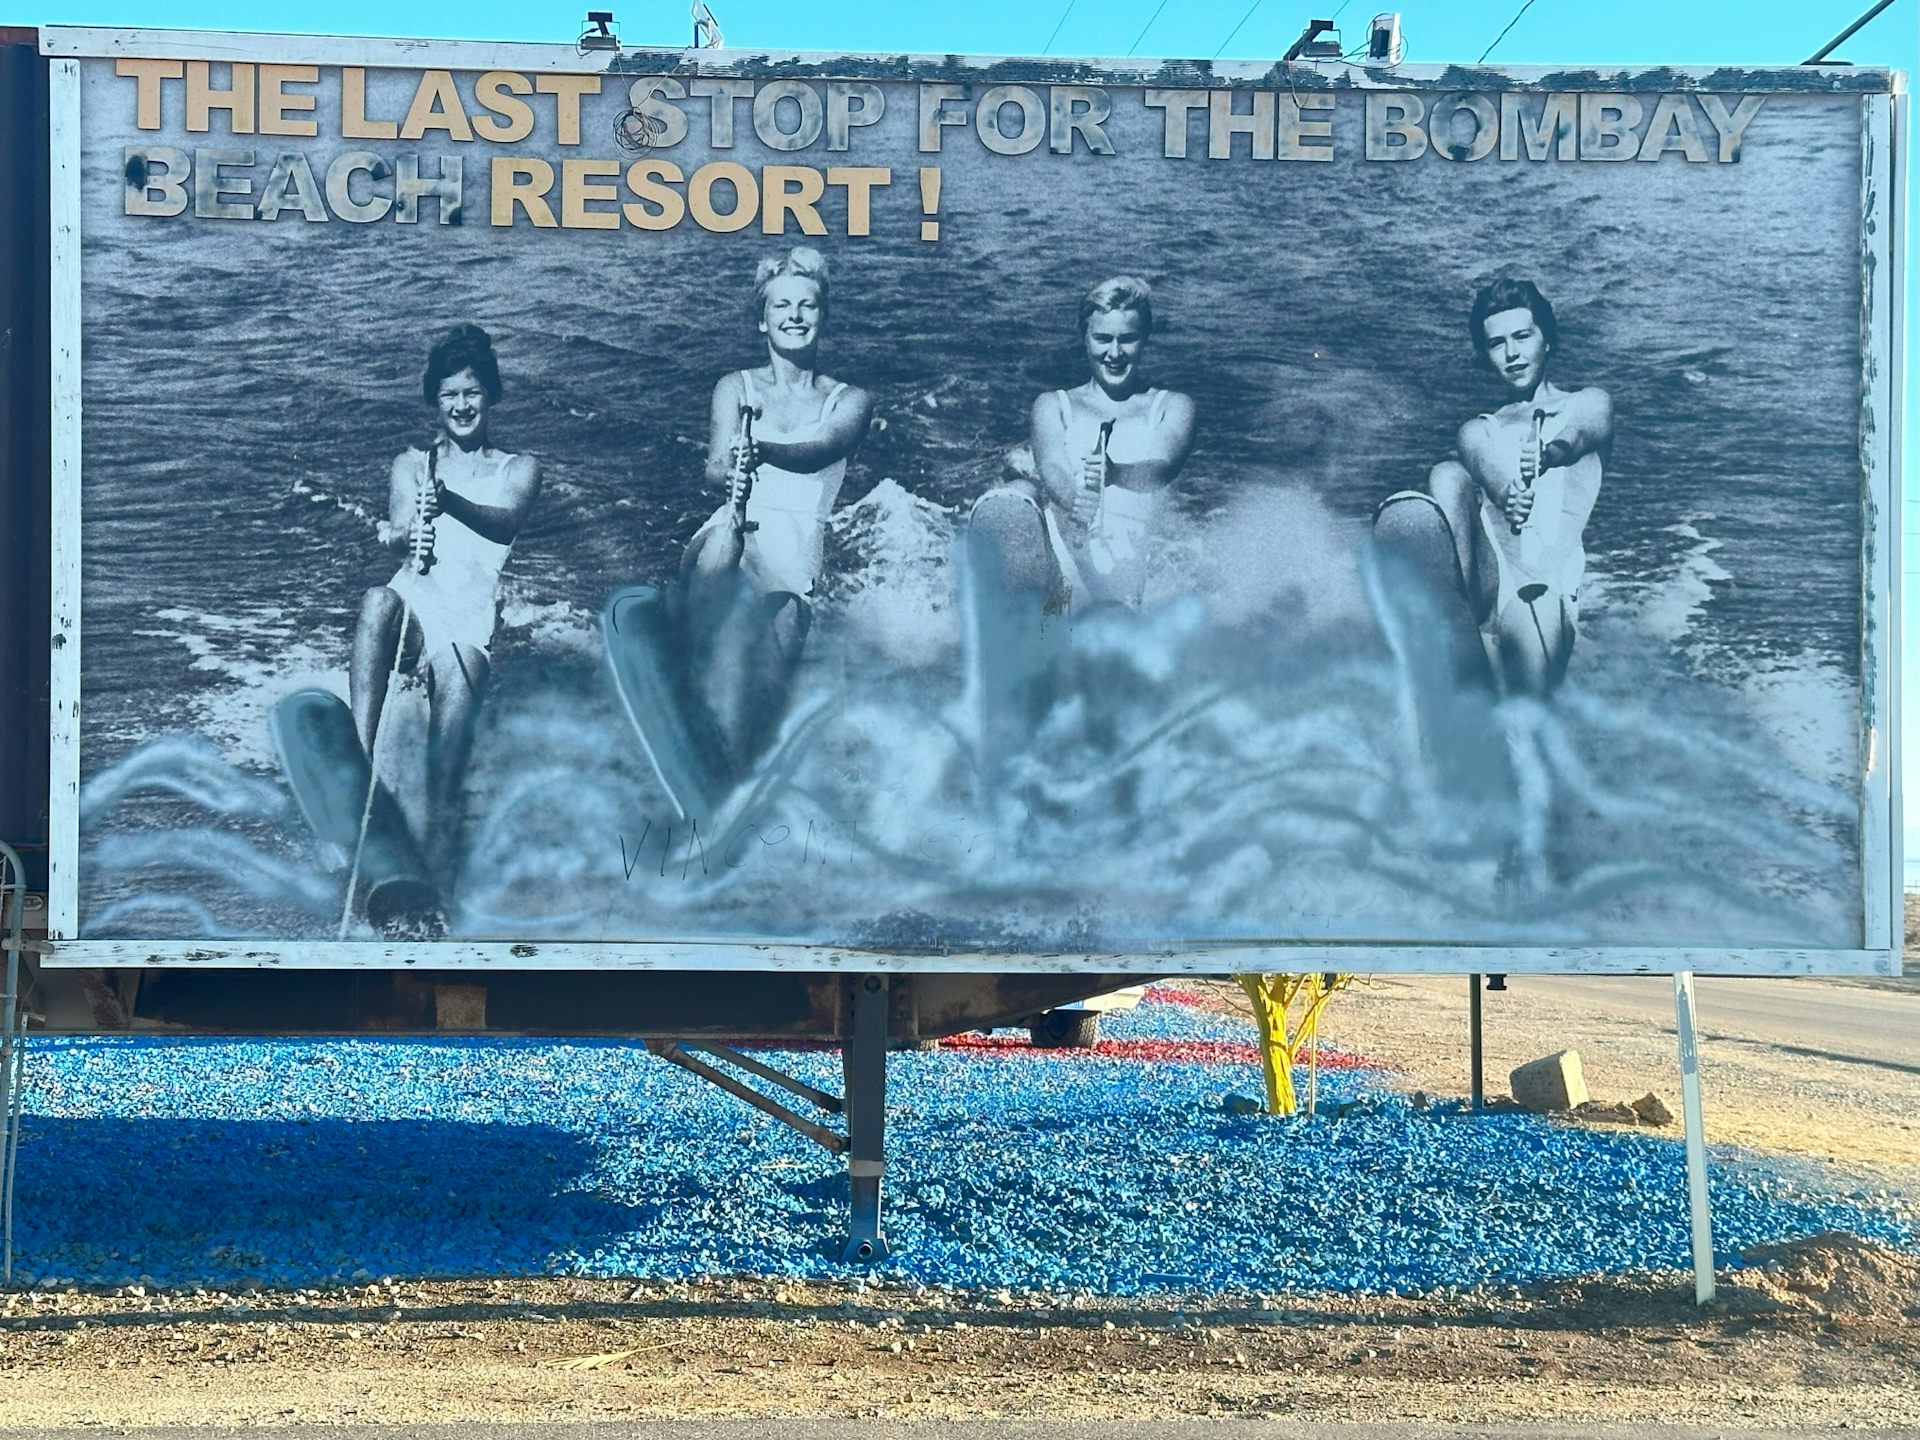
(1883, 104)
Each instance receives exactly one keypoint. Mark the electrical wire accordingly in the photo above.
(1056, 26)
(1146, 27)
(1331, 19)
(1363, 49)
(1236, 29)
(1845, 35)
(1243, 20)
(1503, 34)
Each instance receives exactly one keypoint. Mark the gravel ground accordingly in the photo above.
(1084, 1285)
(1759, 1095)
(296, 1163)
(1828, 1337)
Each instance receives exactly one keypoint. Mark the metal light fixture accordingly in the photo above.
(599, 34)
(1311, 45)
(1384, 45)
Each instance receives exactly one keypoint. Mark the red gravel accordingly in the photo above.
(1199, 1052)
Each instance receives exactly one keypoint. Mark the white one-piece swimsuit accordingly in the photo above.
(1549, 548)
(1108, 563)
(456, 601)
(787, 549)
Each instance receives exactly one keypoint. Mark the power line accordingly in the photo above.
(1845, 35)
(1056, 26)
(1243, 20)
(1236, 29)
(1156, 15)
(1503, 34)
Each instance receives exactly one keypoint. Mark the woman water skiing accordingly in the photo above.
(779, 438)
(1075, 535)
(1517, 500)
(453, 512)
(1103, 454)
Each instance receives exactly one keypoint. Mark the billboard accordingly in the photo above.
(730, 509)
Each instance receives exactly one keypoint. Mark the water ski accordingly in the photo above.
(1421, 603)
(1016, 625)
(328, 771)
(646, 653)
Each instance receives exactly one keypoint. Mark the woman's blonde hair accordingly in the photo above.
(1122, 292)
(801, 260)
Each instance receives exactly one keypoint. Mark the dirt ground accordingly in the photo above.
(1823, 1334)
(1830, 1336)
(1790, 1100)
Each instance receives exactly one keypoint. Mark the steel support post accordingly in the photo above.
(1697, 1206)
(13, 1027)
(863, 1060)
(1478, 1077)
(675, 1054)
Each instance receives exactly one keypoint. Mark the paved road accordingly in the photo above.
(1835, 1020)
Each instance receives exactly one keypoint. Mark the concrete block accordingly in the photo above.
(1553, 1082)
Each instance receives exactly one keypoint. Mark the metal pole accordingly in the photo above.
(1697, 1207)
(13, 885)
(1313, 1070)
(1473, 1030)
(830, 1103)
(863, 1060)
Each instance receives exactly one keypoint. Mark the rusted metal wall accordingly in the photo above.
(24, 438)
(650, 1004)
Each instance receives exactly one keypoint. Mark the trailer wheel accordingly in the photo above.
(1066, 1030)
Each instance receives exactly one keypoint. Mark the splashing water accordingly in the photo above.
(145, 916)
(1229, 762)
(188, 767)
(1670, 608)
(891, 585)
(236, 860)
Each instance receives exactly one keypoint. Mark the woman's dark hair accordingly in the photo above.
(1510, 295)
(464, 347)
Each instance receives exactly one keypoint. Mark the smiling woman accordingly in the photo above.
(1102, 454)
(454, 510)
(779, 439)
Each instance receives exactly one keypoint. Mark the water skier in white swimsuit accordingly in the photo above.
(454, 510)
(1039, 551)
(1518, 498)
(1103, 453)
(779, 439)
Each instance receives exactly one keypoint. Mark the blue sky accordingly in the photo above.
(1551, 31)
(1548, 32)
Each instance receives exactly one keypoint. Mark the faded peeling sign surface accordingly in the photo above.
(989, 511)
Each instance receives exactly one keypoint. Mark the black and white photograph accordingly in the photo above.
(1000, 511)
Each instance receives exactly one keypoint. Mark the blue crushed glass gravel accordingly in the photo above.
(187, 1161)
